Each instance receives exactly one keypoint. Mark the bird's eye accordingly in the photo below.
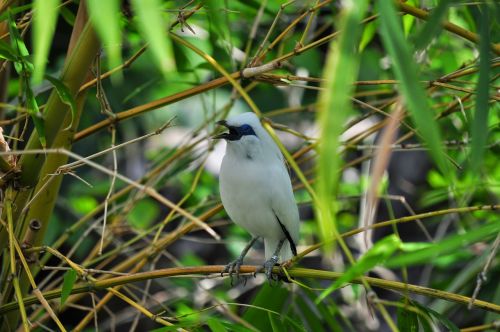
(246, 128)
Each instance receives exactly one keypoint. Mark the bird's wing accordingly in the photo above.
(283, 204)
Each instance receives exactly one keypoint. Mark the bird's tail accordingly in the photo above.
(270, 246)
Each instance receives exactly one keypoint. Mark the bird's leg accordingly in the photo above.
(235, 265)
(271, 262)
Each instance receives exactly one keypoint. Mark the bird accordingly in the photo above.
(256, 191)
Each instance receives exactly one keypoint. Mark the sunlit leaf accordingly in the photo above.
(376, 255)
(368, 33)
(154, 29)
(334, 107)
(44, 24)
(215, 325)
(105, 16)
(413, 93)
(448, 245)
(143, 214)
(68, 283)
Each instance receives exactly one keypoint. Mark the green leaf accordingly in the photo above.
(313, 321)
(44, 24)
(407, 320)
(35, 114)
(24, 68)
(433, 25)
(105, 17)
(378, 254)
(334, 107)
(443, 320)
(143, 214)
(270, 298)
(413, 93)
(276, 323)
(7, 52)
(153, 28)
(18, 46)
(68, 283)
(480, 122)
(449, 244)
(64, 95)
(368, 34)
(215, 325)
(67, 15)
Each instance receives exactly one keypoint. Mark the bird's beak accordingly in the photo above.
(222, 135)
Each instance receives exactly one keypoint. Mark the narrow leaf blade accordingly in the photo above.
(105, 17)
(153, 26)
(374, 256)
(414, 94)
(44, 24)
(480, 122)
(68, 283)
(65, 95)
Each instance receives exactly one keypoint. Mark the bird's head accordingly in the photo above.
(239, 127)
(246, 135)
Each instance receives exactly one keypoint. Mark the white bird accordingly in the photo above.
(256, 191)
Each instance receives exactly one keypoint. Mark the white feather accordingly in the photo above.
(256, 189)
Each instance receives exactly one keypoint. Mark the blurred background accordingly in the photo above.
(392, 108)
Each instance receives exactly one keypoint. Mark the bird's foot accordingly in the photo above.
(233, 268)
(268, 267)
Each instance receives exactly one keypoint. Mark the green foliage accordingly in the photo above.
(25, 68)
(376, 255)
(68, 283)
(414, 95)
(447, 245)
(105, 16)
(343, 65)
(65, 95)
(44, 25)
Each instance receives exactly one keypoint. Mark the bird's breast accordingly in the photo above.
(245, 187)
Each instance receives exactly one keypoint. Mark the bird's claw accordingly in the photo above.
(233, 268)
(268, 267)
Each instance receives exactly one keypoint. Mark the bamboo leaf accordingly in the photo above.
(334, 107)
(479, 130)
(65, 95)
(35, 114)
(433, 25)
(215, 325)
(407, 320)
(153, 27)
(368, 33)
(24, 68)
(413, 93)
(276, 324)
(7, 52)
(446, 246)
(376, 255)
(68, 283)
(44, 24)
(270, 298)
(18, 46)
(443, 320)
(105, 16)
